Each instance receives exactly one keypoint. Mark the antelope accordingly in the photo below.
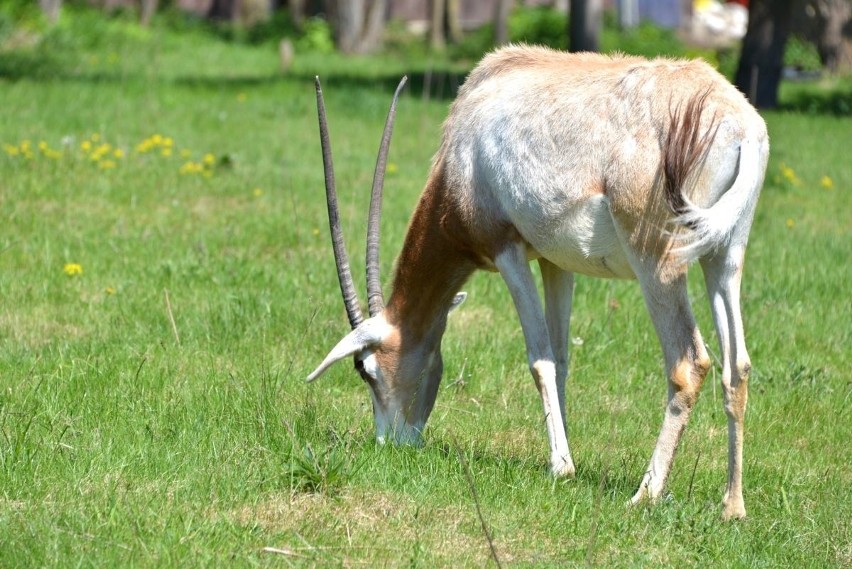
(607, 166)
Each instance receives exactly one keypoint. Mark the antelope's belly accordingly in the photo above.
(581, 238)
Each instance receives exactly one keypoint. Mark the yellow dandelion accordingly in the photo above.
(118, 153)
(166, 152)
(168, 142)
(789, 174)
(73, 269)
(392, 168)
(100, 152)
(11, 149)
(826, 182)
(109, 290)
(315, 231)
(257, 192)
(790, 222)
(86, 146)
(156, 140)
(25, 146)
(209, 159)
(48, 152)
(191, 168)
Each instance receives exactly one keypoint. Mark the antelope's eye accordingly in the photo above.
(359, 367)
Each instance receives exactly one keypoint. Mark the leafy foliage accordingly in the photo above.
(324, 471)
(802, 55)
(316, 36)
(646, 39)
(540, 25)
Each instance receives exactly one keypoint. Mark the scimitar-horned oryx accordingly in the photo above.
(609, 166)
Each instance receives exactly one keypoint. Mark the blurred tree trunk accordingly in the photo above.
(446, 16)
(628, 14)
(454, 20)
(222, 10)
(436, 33)
(147, 10)
(358, 24)
(762, 58)
(687, 10)
(297, 12)
(51, 9)
(252, 12)
(584, 25)
(830, 18)
(501, 21)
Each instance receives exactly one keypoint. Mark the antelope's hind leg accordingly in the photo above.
(686, 362)
(723, 274)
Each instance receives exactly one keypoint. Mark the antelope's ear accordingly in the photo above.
(458, 299)
(368, 334)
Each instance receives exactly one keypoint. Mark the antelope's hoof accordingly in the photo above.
(562, 468)
(733, 510)
(641, 496)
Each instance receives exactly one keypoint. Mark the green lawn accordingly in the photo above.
(162, 307)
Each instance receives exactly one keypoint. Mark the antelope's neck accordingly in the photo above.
(431, 268)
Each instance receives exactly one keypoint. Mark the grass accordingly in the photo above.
(153, 409)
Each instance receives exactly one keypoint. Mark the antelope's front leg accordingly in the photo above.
(558, 295)
(513, 266)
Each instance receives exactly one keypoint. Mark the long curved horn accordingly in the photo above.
(375, 301)
(344, 275)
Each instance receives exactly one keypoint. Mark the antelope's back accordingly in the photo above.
(555, 143)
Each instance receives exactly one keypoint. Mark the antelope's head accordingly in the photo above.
(402, 373)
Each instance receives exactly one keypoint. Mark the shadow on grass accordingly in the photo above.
(616, 476)
(438, 84)
(15, 66)
(46, 70)
(837, 102)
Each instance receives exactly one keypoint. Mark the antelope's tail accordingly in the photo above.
(710, 228)
(701, 230)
